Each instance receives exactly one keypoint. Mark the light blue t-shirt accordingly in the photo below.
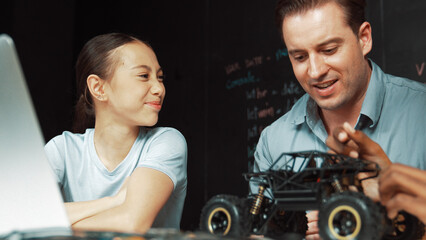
(392, 114)
(83, 176)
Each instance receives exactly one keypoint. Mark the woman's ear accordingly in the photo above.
(365, 38)
(95, 84)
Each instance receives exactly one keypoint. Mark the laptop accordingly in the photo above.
(30, 199)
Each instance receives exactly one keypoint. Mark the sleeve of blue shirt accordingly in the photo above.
(167, 153)
(56, 160)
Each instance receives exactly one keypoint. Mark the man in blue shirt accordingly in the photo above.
(328, 43)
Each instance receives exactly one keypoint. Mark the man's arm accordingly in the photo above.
(147, 191)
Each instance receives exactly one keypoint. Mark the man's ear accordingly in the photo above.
(95, 84)
(365, 38)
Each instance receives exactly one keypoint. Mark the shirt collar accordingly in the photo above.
(373, 101)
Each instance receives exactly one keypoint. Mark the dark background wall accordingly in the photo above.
(227, 72)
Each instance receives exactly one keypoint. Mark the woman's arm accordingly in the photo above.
(147, 192)
(78, 211)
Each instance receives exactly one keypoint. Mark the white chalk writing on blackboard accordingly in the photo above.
(255, 61)
(290, 89)
(242, 81)
(232, 68)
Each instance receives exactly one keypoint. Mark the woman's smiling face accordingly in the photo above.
(136, 91)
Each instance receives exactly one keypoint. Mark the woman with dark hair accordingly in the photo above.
(117, 174)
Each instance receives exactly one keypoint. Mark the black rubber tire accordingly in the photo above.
(405, 227)
(223, 216)
(350, 215)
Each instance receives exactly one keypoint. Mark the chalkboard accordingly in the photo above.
(404, 38)
(251, 82)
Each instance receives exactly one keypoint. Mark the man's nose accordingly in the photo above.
(317, 67)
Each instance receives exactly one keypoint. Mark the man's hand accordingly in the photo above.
(348, 141)
(403, 188)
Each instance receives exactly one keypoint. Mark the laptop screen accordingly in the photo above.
(30, 199)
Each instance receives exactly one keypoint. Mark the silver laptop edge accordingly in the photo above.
(30, 199)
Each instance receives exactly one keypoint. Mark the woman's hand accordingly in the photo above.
(350, 142)
(403, 188)
(354, 143)
(312, 233)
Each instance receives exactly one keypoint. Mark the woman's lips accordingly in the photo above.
(156, 105)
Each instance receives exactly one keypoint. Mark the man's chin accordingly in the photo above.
(329, 105)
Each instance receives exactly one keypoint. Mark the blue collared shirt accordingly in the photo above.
(392, 114)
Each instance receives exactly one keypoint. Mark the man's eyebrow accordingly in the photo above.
(292, 52)
(333, 40)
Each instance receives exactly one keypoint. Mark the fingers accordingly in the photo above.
(312, 232)
(371, 189)
(312, 216)
(408, 203)
(402, 188)
(341, 143)
(313, 237)
(397, 168)
(348, 141)
(399, 178)
(360, 139)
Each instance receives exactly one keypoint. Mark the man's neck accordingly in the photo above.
(335, 118)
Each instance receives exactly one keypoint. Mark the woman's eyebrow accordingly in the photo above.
(142, 66)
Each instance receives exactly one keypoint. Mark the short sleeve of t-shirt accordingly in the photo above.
(56, 160)
(166, 151)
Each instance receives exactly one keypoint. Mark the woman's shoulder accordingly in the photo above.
(165, 134)
(70, 138)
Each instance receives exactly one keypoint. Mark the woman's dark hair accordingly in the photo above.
(353, 9)
(96, 57)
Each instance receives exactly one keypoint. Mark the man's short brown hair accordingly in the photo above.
(353, 10)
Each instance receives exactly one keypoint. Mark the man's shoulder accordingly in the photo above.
(404, 94)
(395, 85)
(291, 119)
(404, 84)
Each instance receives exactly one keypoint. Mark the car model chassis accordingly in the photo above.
(293, 185)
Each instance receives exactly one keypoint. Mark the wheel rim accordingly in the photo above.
(219, 221)
(344, 222)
